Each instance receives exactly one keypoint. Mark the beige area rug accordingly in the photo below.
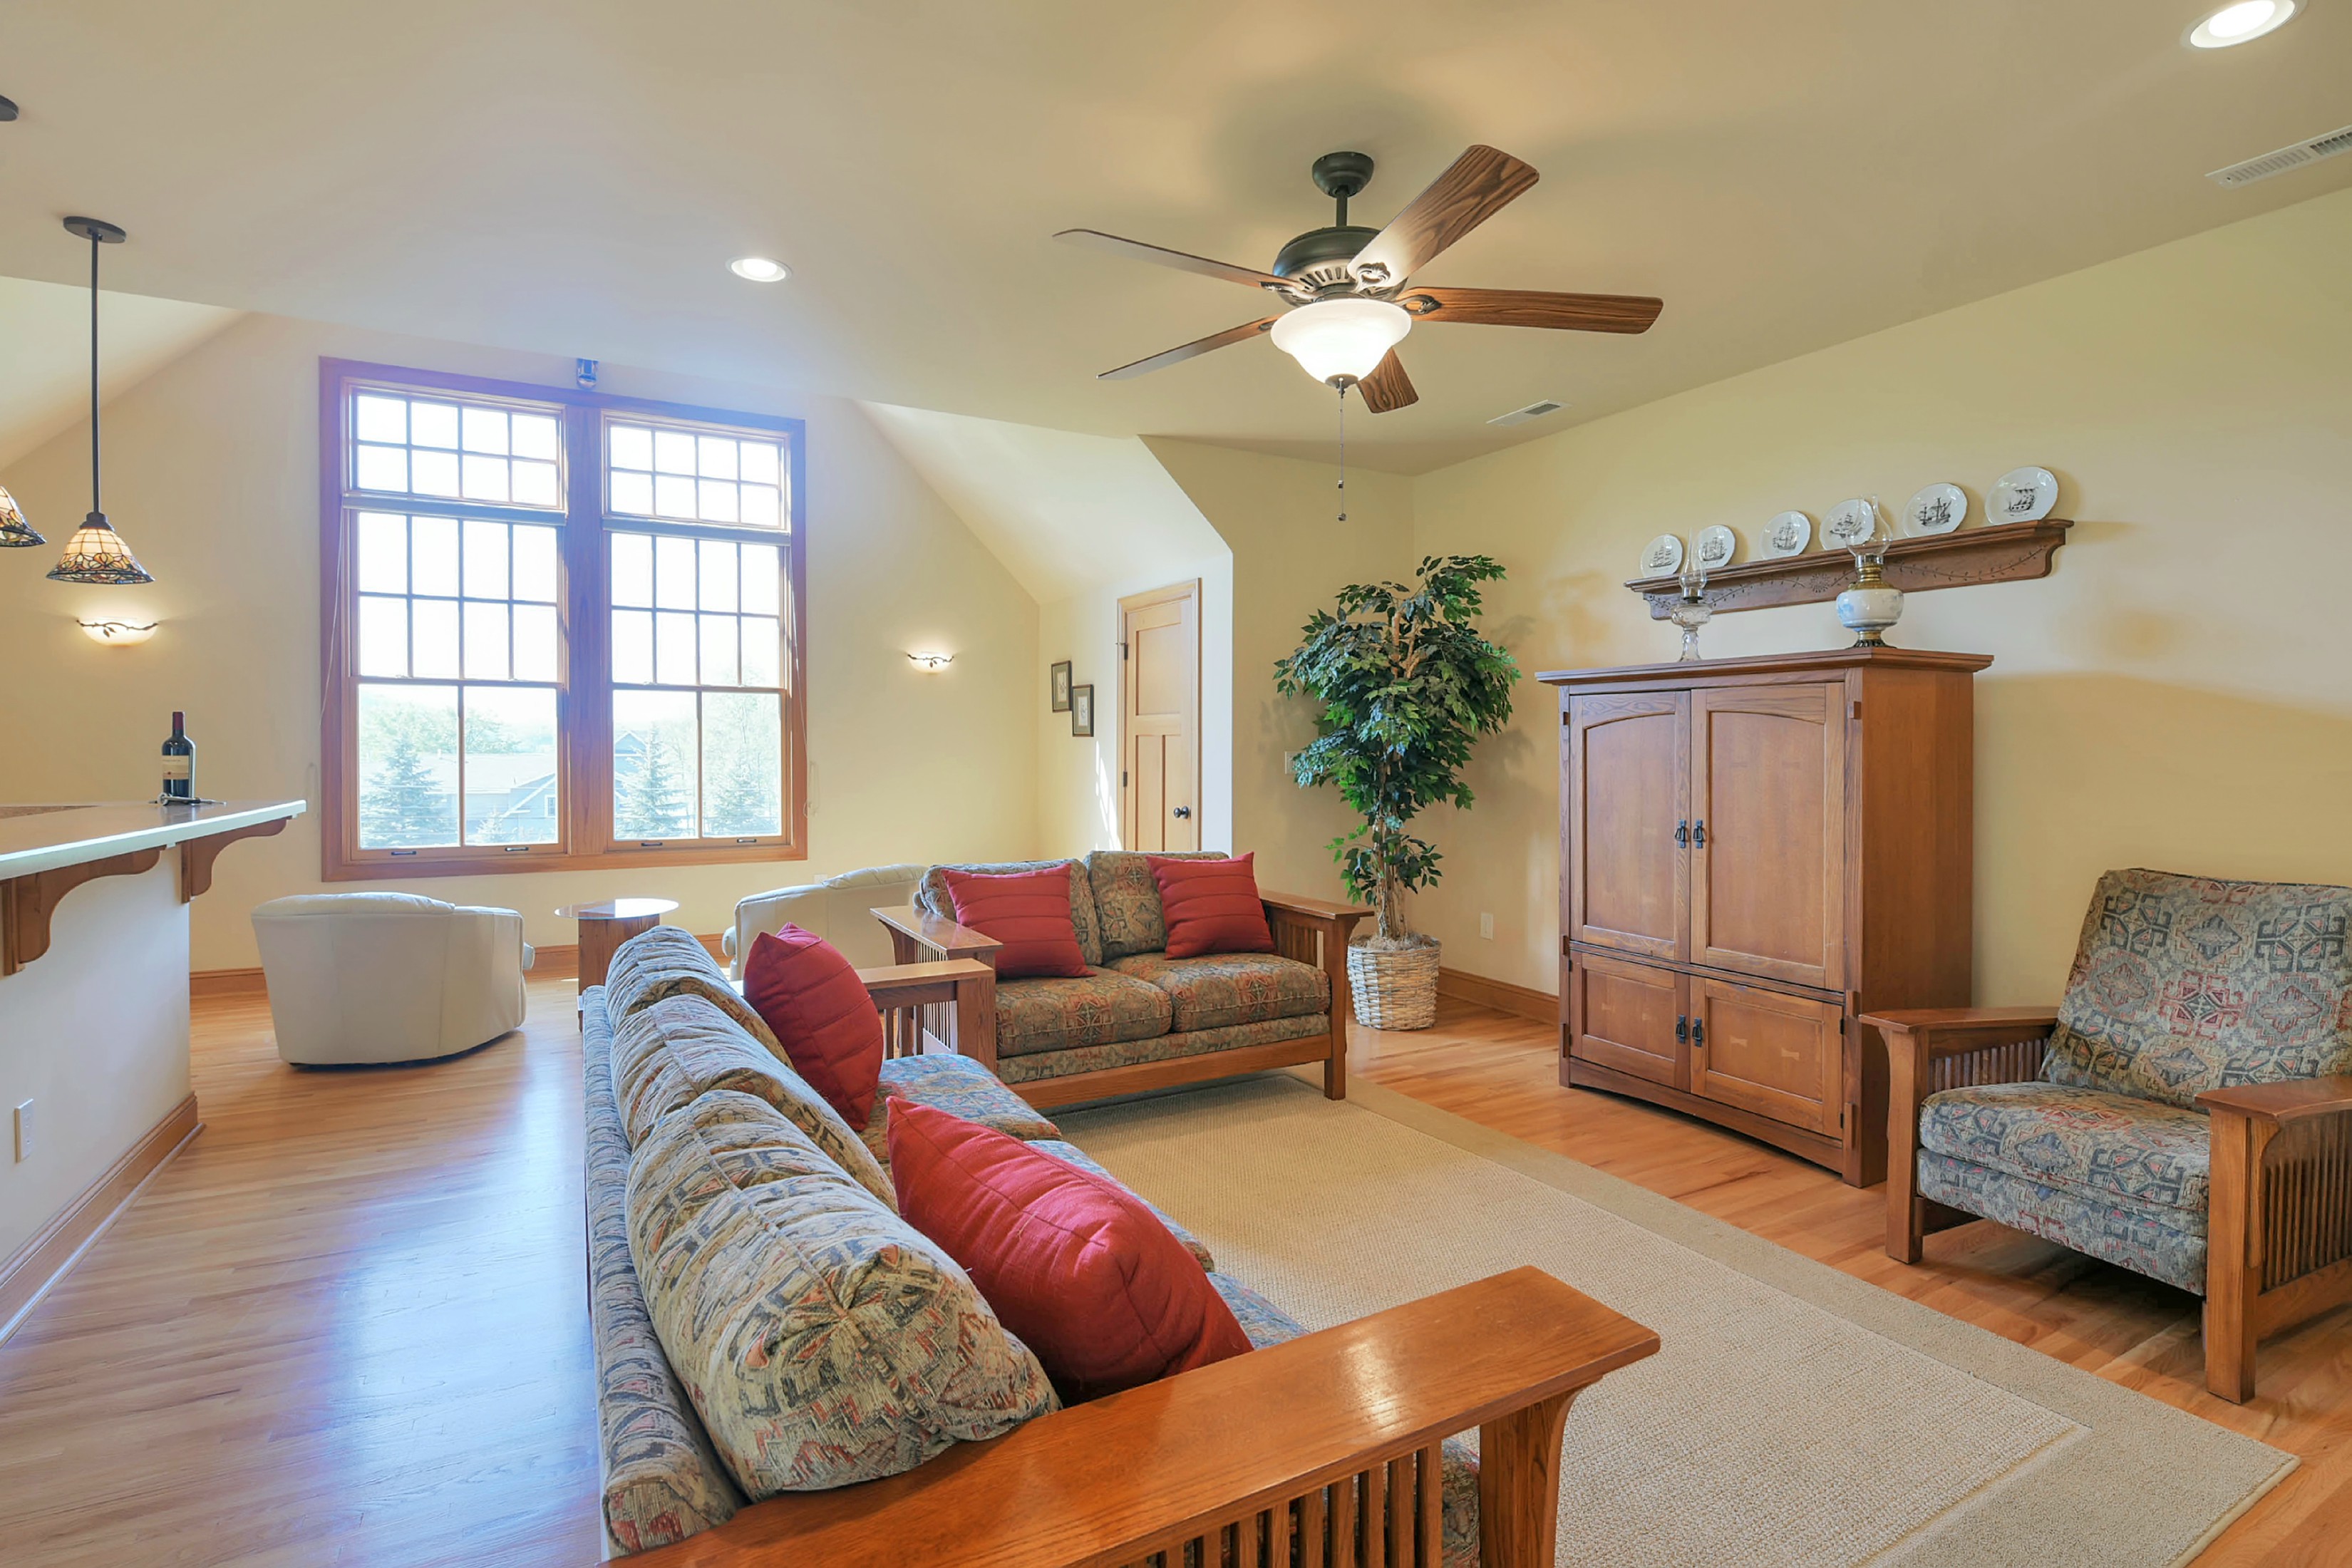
(1795, 1415)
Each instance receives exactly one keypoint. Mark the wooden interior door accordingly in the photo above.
(1768, 832)
(1160, 719)
(1628, 772)
(1773, 1053)
(1628, 1016)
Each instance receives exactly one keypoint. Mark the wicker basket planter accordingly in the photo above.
(1394, 989)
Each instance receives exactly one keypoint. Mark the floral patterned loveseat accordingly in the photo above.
(2183, 1113)
(1139, 1019)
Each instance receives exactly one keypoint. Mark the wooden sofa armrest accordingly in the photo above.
(951, 999)
(2277, 1249)
(1932, 1048)
(915, 937)
(1220, 1455)
(2281, 1103)
(1315, 931)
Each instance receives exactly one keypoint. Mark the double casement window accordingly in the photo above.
(560, 629)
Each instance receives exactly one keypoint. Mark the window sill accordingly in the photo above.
(336, 870)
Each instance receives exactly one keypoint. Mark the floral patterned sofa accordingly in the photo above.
(1140, 1019)
(667, 1037)
(2183, 1113)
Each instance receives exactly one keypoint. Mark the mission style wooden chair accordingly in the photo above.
(2185, 1113)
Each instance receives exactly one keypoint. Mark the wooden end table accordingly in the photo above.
(605, 925)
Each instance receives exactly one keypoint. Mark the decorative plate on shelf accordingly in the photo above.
(1787, 534)
(1663, 556)
(1850, 523)
(1716, 546)
(1938, 509)
(2022, 495)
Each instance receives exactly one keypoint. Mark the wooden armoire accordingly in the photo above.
(1754, 853)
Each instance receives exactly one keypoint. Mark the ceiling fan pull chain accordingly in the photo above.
(1343, 454)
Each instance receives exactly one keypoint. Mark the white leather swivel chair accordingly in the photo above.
(835, 908)
(388, 977)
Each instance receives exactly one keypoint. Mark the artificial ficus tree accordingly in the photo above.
(1406, 686)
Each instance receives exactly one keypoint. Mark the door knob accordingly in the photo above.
(1182, 812)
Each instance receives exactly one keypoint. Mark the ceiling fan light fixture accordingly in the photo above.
(1341, 341)
(2241, 23)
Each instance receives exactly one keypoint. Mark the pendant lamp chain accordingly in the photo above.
(96, 553)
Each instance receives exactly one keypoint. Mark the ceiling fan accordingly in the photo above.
(1347, 291)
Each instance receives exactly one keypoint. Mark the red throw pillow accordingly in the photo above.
(1078, 1267)
(822, 1016)
(1211, 906)
(1028, 912)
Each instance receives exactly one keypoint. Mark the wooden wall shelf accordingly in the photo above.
(1997, 552)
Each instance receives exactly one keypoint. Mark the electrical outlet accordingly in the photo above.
(1487, 927)
(25, 1131)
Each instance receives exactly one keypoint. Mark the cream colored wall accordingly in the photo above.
(212, 474)
(1078, 779)
(2177, 694)
(1290, 556)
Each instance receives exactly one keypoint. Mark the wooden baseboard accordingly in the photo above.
(1520, 1001)
(547, 963)
(41, 1262)
(226, 984)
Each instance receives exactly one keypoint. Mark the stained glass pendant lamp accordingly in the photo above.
(96, 553)
(16, 533)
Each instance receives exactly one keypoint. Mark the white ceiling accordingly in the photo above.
(44, 330)
(1065, 511)
(571, 176)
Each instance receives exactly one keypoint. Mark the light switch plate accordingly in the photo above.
(1487, 927)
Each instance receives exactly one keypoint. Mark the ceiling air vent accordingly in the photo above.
(1532, 411)
(2280, 162)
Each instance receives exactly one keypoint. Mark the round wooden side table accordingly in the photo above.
(605, 925)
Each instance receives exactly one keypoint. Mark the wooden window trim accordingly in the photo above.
(584, 689)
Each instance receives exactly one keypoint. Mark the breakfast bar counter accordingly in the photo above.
(94, 1076)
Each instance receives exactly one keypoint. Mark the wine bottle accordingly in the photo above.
(179, 761)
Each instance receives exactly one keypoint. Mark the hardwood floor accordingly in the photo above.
(347, 1323)
(1499, 1071)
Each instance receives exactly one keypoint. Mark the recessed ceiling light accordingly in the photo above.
(760, 270)
(2241, 23)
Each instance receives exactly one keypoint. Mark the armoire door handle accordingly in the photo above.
(1682, 833)
(1698, 1033)
(1698, 834)
(1182, 812)
(1682, 1028)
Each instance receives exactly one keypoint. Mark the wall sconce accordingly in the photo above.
(931, 663)
(117, 634)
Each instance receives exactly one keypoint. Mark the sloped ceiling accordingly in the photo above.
(569, 176)
(45, 354)
(1064, 512)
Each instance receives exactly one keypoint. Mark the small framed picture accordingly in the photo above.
(1082, 709)
(1061, 681)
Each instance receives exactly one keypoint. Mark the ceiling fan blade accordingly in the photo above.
(1095, 239)
(1388, 386)
(1481, 183)
(1198, 346)
(1534, 308)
